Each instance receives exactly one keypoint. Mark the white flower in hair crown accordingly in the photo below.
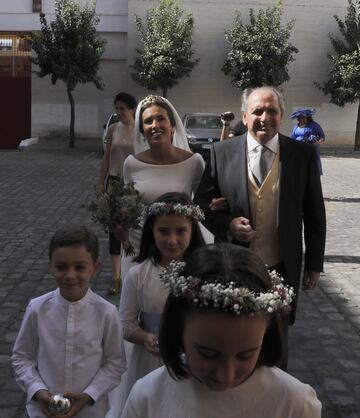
(238, 300)
(162, 208)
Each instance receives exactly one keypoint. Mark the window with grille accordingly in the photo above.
(15, 53)
(37, 6)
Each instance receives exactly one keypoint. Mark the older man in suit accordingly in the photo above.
(271, 188)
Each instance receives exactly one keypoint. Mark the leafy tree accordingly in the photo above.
(343, 84)
(167, 40)
(69, 49)
(261, 50)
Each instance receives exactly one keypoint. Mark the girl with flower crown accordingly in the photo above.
(170, 232)
(220, 343)
(162, 162)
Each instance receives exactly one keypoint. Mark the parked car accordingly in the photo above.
(202, 129)
(113, 118)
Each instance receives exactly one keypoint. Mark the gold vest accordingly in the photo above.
(264, 211)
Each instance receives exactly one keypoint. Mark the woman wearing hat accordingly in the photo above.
(307, 130)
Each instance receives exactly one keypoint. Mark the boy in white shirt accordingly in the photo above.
(70, 341)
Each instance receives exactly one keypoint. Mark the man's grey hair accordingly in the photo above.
(246, 93)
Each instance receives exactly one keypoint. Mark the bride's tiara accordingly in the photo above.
(152, 98)
(162, 208)
(228, 297)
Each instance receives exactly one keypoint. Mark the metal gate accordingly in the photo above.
(15, 88)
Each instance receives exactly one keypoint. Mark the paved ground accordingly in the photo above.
(41, 189)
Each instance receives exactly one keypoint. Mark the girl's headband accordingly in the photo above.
(228, 297)
(162, 208)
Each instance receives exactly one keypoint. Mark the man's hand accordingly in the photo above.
(78, 401)
(241, 230)
(310, 279)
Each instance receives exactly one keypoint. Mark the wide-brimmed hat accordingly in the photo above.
(303, 111)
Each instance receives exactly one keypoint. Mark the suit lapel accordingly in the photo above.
(287, 177)
(286, 160)
(240, 183)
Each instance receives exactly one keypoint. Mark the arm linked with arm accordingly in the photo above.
(198, 172)
(217, 221)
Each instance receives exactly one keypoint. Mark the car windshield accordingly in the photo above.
(204, 122)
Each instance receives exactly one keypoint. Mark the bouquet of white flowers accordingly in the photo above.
(121, 204)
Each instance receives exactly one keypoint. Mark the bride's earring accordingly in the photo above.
(183, 358)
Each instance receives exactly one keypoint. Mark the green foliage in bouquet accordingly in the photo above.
(121, 204)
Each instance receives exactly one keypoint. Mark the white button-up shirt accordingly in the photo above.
(70, 346)
(252, 144)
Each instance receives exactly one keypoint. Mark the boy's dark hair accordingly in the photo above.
(148, 248)
(72, 234)
(126, 98)
(220, 263)
(157, 101)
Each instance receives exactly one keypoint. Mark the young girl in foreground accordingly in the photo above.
(220, 344)
(170, 232)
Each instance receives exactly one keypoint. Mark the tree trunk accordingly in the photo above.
(164, 91)
(357, 133)
(72, 119)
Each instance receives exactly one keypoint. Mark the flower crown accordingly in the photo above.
(152, 98)
(162, 208)
(237, 300)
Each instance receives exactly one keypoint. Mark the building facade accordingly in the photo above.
(48, 104)
(207, 88)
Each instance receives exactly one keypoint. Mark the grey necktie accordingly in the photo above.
(260, 164)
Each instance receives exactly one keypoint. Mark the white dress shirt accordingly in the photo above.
(69, 346)
(252, 144)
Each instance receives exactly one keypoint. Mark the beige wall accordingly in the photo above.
(208, 89)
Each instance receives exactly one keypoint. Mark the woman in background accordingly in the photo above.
(119, 145)
(307, 130)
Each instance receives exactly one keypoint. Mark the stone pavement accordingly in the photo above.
(43, 188)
